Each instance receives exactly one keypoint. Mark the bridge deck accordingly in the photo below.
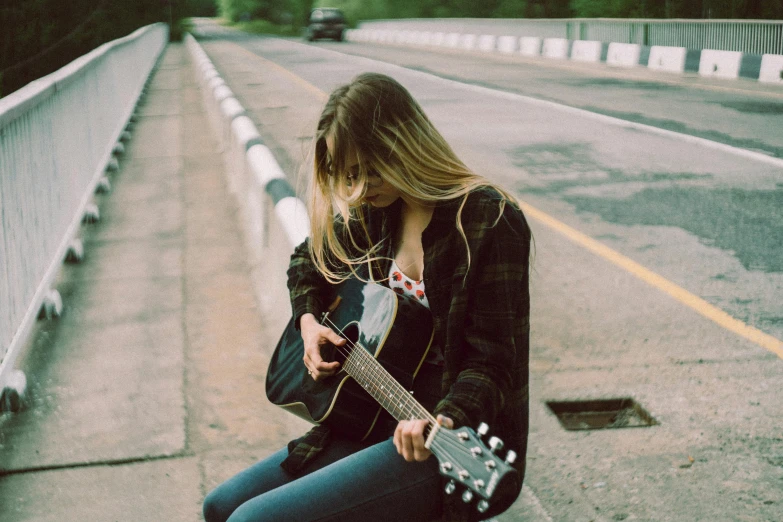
(149, 390)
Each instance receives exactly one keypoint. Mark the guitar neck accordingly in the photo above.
(384, 388)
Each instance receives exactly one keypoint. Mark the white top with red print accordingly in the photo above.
(404, 285)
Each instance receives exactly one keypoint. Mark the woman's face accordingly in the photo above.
(377, 193)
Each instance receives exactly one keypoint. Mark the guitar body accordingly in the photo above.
(396, 330)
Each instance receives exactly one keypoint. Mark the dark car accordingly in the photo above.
(325, 22)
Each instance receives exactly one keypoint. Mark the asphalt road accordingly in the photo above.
(701, 205)
(656, 206)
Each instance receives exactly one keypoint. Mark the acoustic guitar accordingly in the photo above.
(388, 338)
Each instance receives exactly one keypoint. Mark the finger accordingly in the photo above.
(398, 438)
(446, 422)
(420, 453)
(408, 452)
(335, 338)
(327, 367)
(317, 364)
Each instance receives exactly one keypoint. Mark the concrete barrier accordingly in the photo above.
(451, 40)
(586, 51)
(467, 41)
(437, 38)
(254, 176)
(530, 46)
(556, 48)
(487, 42)
(721, 64)
(667, 59)
(771, 68)
(623, 55)
(507, 44)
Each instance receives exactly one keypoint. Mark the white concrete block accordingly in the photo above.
(424, 38)
(467, 42)
(771, 68)
(451, 40)
(486, 42)
(668, 59)
(292, 215)
(623, 54)
(507, 44)
(586, 51)
(530, 45)
(555, 48)
(437, 38)
(721, 64)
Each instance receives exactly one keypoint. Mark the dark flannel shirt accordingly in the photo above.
(481, 319)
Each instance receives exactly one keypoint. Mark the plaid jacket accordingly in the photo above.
(480, 313)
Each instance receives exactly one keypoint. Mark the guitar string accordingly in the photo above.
(461, 447)
(378, 377)
(361, 352)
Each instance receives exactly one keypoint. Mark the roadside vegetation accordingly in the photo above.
(38, 37)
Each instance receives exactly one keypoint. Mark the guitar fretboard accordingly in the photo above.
(379, 383)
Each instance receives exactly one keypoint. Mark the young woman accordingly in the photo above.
(391, 203)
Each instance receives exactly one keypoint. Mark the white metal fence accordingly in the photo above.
(747, 36)
(56, 138)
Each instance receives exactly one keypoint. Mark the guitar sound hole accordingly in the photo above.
(350, 332)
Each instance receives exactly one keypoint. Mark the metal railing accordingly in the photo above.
(747, 36)
(57, 135)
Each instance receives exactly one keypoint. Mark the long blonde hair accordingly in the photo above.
(376, 120)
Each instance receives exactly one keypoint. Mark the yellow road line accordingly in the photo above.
(690, 300)
(298, 79)
(698, 304)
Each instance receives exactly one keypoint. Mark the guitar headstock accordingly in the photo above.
(469, 463)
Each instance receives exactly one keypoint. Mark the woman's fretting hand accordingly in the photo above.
(315, 335)
(409, 438)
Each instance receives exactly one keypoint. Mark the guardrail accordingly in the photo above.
(706, 62)
(254, 176)
(57, 137)
(746, 36)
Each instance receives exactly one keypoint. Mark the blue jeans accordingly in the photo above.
(348, 481)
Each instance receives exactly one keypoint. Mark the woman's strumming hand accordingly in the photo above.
(315, 335)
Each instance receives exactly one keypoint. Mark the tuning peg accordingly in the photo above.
(511, 457)
(450, 487)
(467, 496)
(482, 506)
(495, 444)
(483, 429)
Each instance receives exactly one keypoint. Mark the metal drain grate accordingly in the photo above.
(601, 414)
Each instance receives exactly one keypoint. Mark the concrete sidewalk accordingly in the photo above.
(149, 390)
